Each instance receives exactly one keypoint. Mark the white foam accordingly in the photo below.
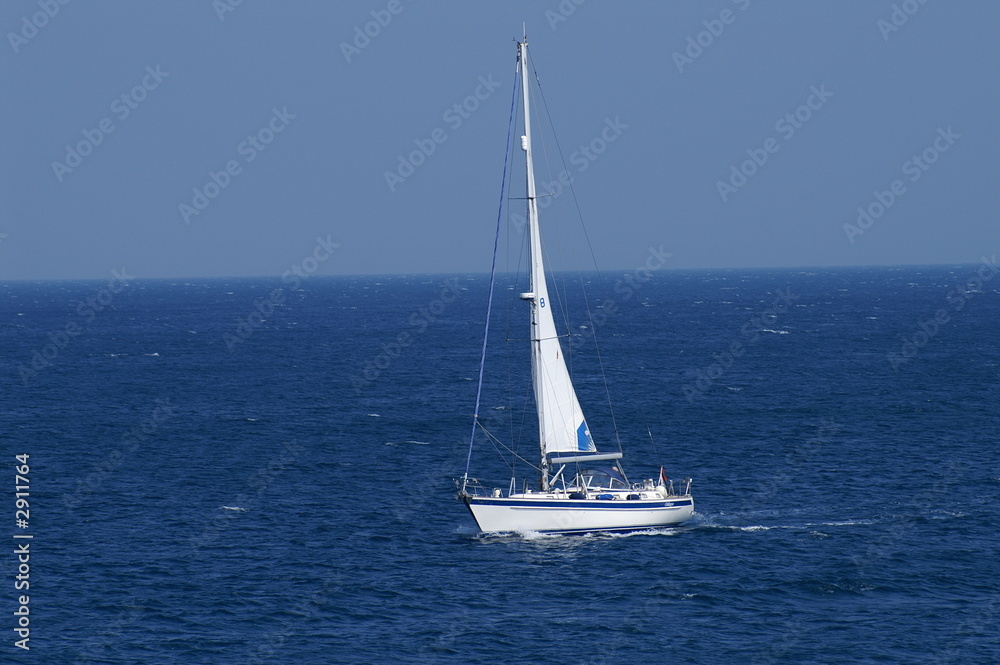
(843, 523)
(645, 532)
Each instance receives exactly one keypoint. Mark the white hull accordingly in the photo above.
(546, 515)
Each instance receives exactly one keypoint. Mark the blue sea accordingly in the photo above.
(238, 471)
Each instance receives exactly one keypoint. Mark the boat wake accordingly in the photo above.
(715, 523)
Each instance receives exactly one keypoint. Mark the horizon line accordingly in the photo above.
(481, 272)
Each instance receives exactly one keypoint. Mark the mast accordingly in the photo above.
(538, 295)
(562, 427)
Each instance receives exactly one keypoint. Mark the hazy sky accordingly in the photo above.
(116, 112)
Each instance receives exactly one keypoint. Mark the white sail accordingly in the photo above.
(562, 426)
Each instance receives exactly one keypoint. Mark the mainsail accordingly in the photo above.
(562, 426)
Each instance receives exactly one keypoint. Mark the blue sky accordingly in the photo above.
(887, 106)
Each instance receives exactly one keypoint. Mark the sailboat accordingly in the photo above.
(580, 489)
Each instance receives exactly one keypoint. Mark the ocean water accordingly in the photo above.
(229, 471)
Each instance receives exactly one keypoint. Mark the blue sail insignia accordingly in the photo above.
(583, 439)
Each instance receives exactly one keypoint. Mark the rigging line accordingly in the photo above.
(516, 275)
(522, 252)
(529, 339)
(600, 278)
(497, 445)
(559, 286)
(521, 424)
(493, 272)
(515, 435)
(515, 440)
(556, 285)
(498, 442)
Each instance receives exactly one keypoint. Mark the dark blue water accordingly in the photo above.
(212, 488)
